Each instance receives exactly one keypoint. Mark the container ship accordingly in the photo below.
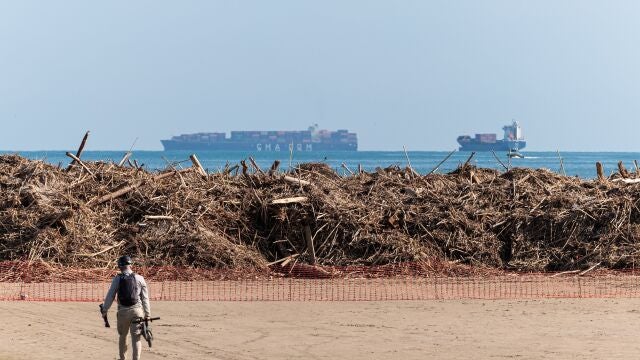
(512, 140)
(312, 139)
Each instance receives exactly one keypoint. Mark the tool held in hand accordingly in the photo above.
(104, 317)
(146, 328)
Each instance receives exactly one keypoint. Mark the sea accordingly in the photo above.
(580, 164)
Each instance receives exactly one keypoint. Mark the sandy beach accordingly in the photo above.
(544, 329)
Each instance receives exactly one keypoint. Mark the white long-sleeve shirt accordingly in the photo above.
(142, 299)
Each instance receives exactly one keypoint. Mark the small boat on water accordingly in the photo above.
(514, 153)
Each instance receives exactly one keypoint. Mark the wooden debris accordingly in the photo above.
(285, 260)
(292, 200)
(561, 170)
(103, 250)
(295, 181)
(499, 161)
(627, 181)
(158, 217)
(245, 168)
(80, 150)
(274, 167)
(197, 165)
(600, 172)
(309, 240)
(344, 166)
(531, 219)
(76, 160)
(231, 169)
(623, 171)
(441, 162)
(589, 269)
(466, 163)
(125, 158)
(411, 171)
(565, 273)
(255, 166)
(126, 189)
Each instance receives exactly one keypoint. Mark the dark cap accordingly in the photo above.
(124, 261)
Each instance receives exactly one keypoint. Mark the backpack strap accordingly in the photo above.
(133, 275)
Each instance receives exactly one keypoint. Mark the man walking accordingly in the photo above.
(133, 303)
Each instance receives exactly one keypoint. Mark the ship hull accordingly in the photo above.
(172, 145)
(500, 145)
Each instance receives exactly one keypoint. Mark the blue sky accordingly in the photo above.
(414, 73)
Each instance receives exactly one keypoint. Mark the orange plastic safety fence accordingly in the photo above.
(37, 281)
(535, 286)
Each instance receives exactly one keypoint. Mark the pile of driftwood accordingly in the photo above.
(88, 214)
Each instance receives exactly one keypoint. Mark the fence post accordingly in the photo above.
(579, 287)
